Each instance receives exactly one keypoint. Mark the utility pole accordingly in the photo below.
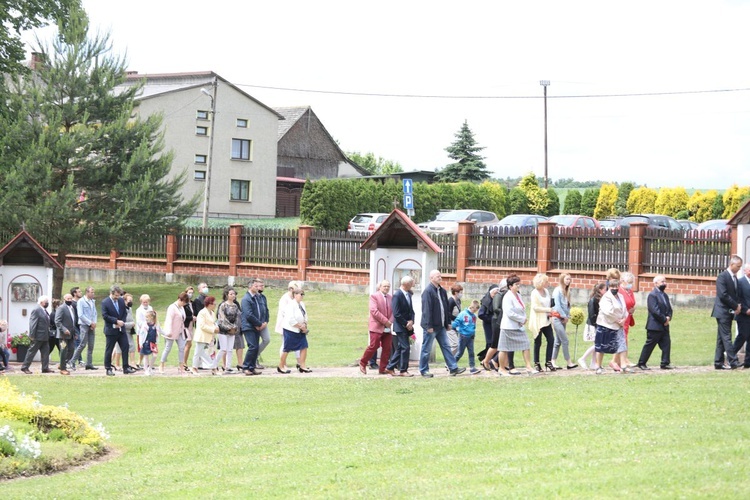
(545, 84)
(209, 160)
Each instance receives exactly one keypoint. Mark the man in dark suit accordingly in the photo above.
(657, 325)
(726, 306)
(403, 326)
(436, 321)
(39, 333)
(114, 314)
(252, 324)
(743, 318)
(66, 322)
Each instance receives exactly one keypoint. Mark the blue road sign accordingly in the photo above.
(408, 186)
(408, 201)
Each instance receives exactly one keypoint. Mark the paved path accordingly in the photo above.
(349, 372)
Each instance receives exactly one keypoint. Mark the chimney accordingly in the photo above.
(36, 60)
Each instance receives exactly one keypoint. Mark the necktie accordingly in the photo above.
(734, 279)
(302, 309)
(117, 308)
(387, 306)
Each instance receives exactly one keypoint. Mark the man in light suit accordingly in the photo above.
(403, 326)
(65, 322)
(114, 314)
(381, 321)
(657, 325)
(743, 318)
(87, 317)
(39, 333)
(726, 306)
(436, 321)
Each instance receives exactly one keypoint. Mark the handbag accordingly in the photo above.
(589, 333)
(154, 348)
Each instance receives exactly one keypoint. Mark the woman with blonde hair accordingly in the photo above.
(539, 320)
(203, 336)
(626, 292)
(174, 331)
(609, 323)
(295, 333)
(559, 320)
(229, 321)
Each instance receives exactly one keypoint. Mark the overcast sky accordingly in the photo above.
(495, 51)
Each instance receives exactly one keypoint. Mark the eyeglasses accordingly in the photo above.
(301, 293)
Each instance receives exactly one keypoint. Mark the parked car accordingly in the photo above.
(447, 222)
(521, 220)
(575, 221)
(610, 222)
(687, 225)
(653, 220)
(713, 225)
(366, 223)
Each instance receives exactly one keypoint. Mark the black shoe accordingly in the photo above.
(721, 367)
(666, 367)
(26, 371)
(283, 371)
(129, 370)
(303, 370)
(457, 371)
(138, 367)
(48, 371)
(427, 375)
(373, 367)
(571, 367)
(89, 367)
(538, 367)
(252, 372)
(110, 373)
(643, 367)
(549, 366)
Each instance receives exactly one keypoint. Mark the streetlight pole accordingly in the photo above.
(207, 187)
(545, 84)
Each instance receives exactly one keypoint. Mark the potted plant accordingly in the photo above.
(19, 344)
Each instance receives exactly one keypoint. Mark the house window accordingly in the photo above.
(201, 130)
(201, 115)
(240, 190)
(241, 149)
(201, 159)
(200, 175)
(241, 122)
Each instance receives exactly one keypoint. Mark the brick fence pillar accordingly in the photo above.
(637, 246)
(235, 247)
(463, 242)
(113, 255)
(544, 246)
(171, 250)
(303, 251)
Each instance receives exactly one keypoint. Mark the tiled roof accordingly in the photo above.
(291, 115)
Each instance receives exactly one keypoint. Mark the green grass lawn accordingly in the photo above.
(665, 436)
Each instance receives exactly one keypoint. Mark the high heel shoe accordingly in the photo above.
(303, 370)
(550, 366)
(538, 367)
(278, 369)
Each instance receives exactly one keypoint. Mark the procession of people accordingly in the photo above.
(510, 323)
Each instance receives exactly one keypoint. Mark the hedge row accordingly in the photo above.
(331, 203)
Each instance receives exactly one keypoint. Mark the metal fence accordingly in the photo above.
(210, 244)
(151, 245)
(270, 246)
(588, 249)
(689, 253)
(503, 247)
(338, 249)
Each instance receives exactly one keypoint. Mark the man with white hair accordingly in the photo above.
(436, 321)
(657, 325)
(39, 333)
(379, 326)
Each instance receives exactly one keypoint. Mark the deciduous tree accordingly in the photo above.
(605, 203)
(642, 201)
(671, 201)
(536, 196)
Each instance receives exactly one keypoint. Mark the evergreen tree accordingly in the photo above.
(717, 208)
(519, 204)
(588, 202)
(75, 164)
(468, 166)
(553, 205)
(572, 204)
(623, 193)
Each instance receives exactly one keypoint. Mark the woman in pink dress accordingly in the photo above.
(626, 291)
